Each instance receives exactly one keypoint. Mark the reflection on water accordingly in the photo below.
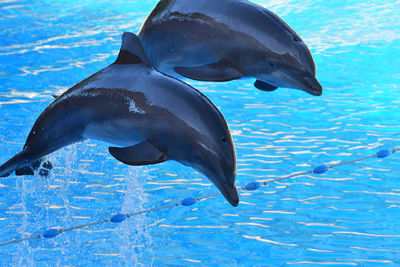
(347, 216)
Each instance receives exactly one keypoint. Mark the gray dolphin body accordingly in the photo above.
(223, 40)
(148, 116)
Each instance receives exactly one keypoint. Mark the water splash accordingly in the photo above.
(135, 239)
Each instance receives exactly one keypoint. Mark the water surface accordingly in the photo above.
(348, 216)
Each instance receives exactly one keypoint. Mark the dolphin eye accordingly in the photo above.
(296, 39)
(224, 140)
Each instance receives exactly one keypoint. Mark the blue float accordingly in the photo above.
(253, 186)
(118, 218)
(51, 233)
(320, 169)
(188, 201)
(383, 153)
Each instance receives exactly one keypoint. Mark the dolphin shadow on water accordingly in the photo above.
(148, 117)
(224, 40)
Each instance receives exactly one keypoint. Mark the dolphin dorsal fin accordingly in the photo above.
(132, 51)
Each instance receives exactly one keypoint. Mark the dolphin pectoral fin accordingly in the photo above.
(141, 154)
(263, 86)
(216, 72)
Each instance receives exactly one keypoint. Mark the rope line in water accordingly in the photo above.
(53, 232)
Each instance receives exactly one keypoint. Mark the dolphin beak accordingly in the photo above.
(311, 85)
(230, 193)
(301, 81)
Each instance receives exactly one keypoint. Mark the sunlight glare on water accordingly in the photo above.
(348, 216)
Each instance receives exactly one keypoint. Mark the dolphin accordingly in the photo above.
(224, 40)
(147, 116)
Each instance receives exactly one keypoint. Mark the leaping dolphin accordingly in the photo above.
(223, 40)
(149, 117)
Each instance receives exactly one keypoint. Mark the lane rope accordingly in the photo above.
(118, 218)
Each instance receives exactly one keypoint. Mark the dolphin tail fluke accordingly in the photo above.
(43, 168)
(22, 164)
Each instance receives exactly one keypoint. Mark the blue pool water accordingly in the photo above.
(348, 216)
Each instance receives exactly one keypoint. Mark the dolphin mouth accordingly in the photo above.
(230, 193)
(311, 86)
